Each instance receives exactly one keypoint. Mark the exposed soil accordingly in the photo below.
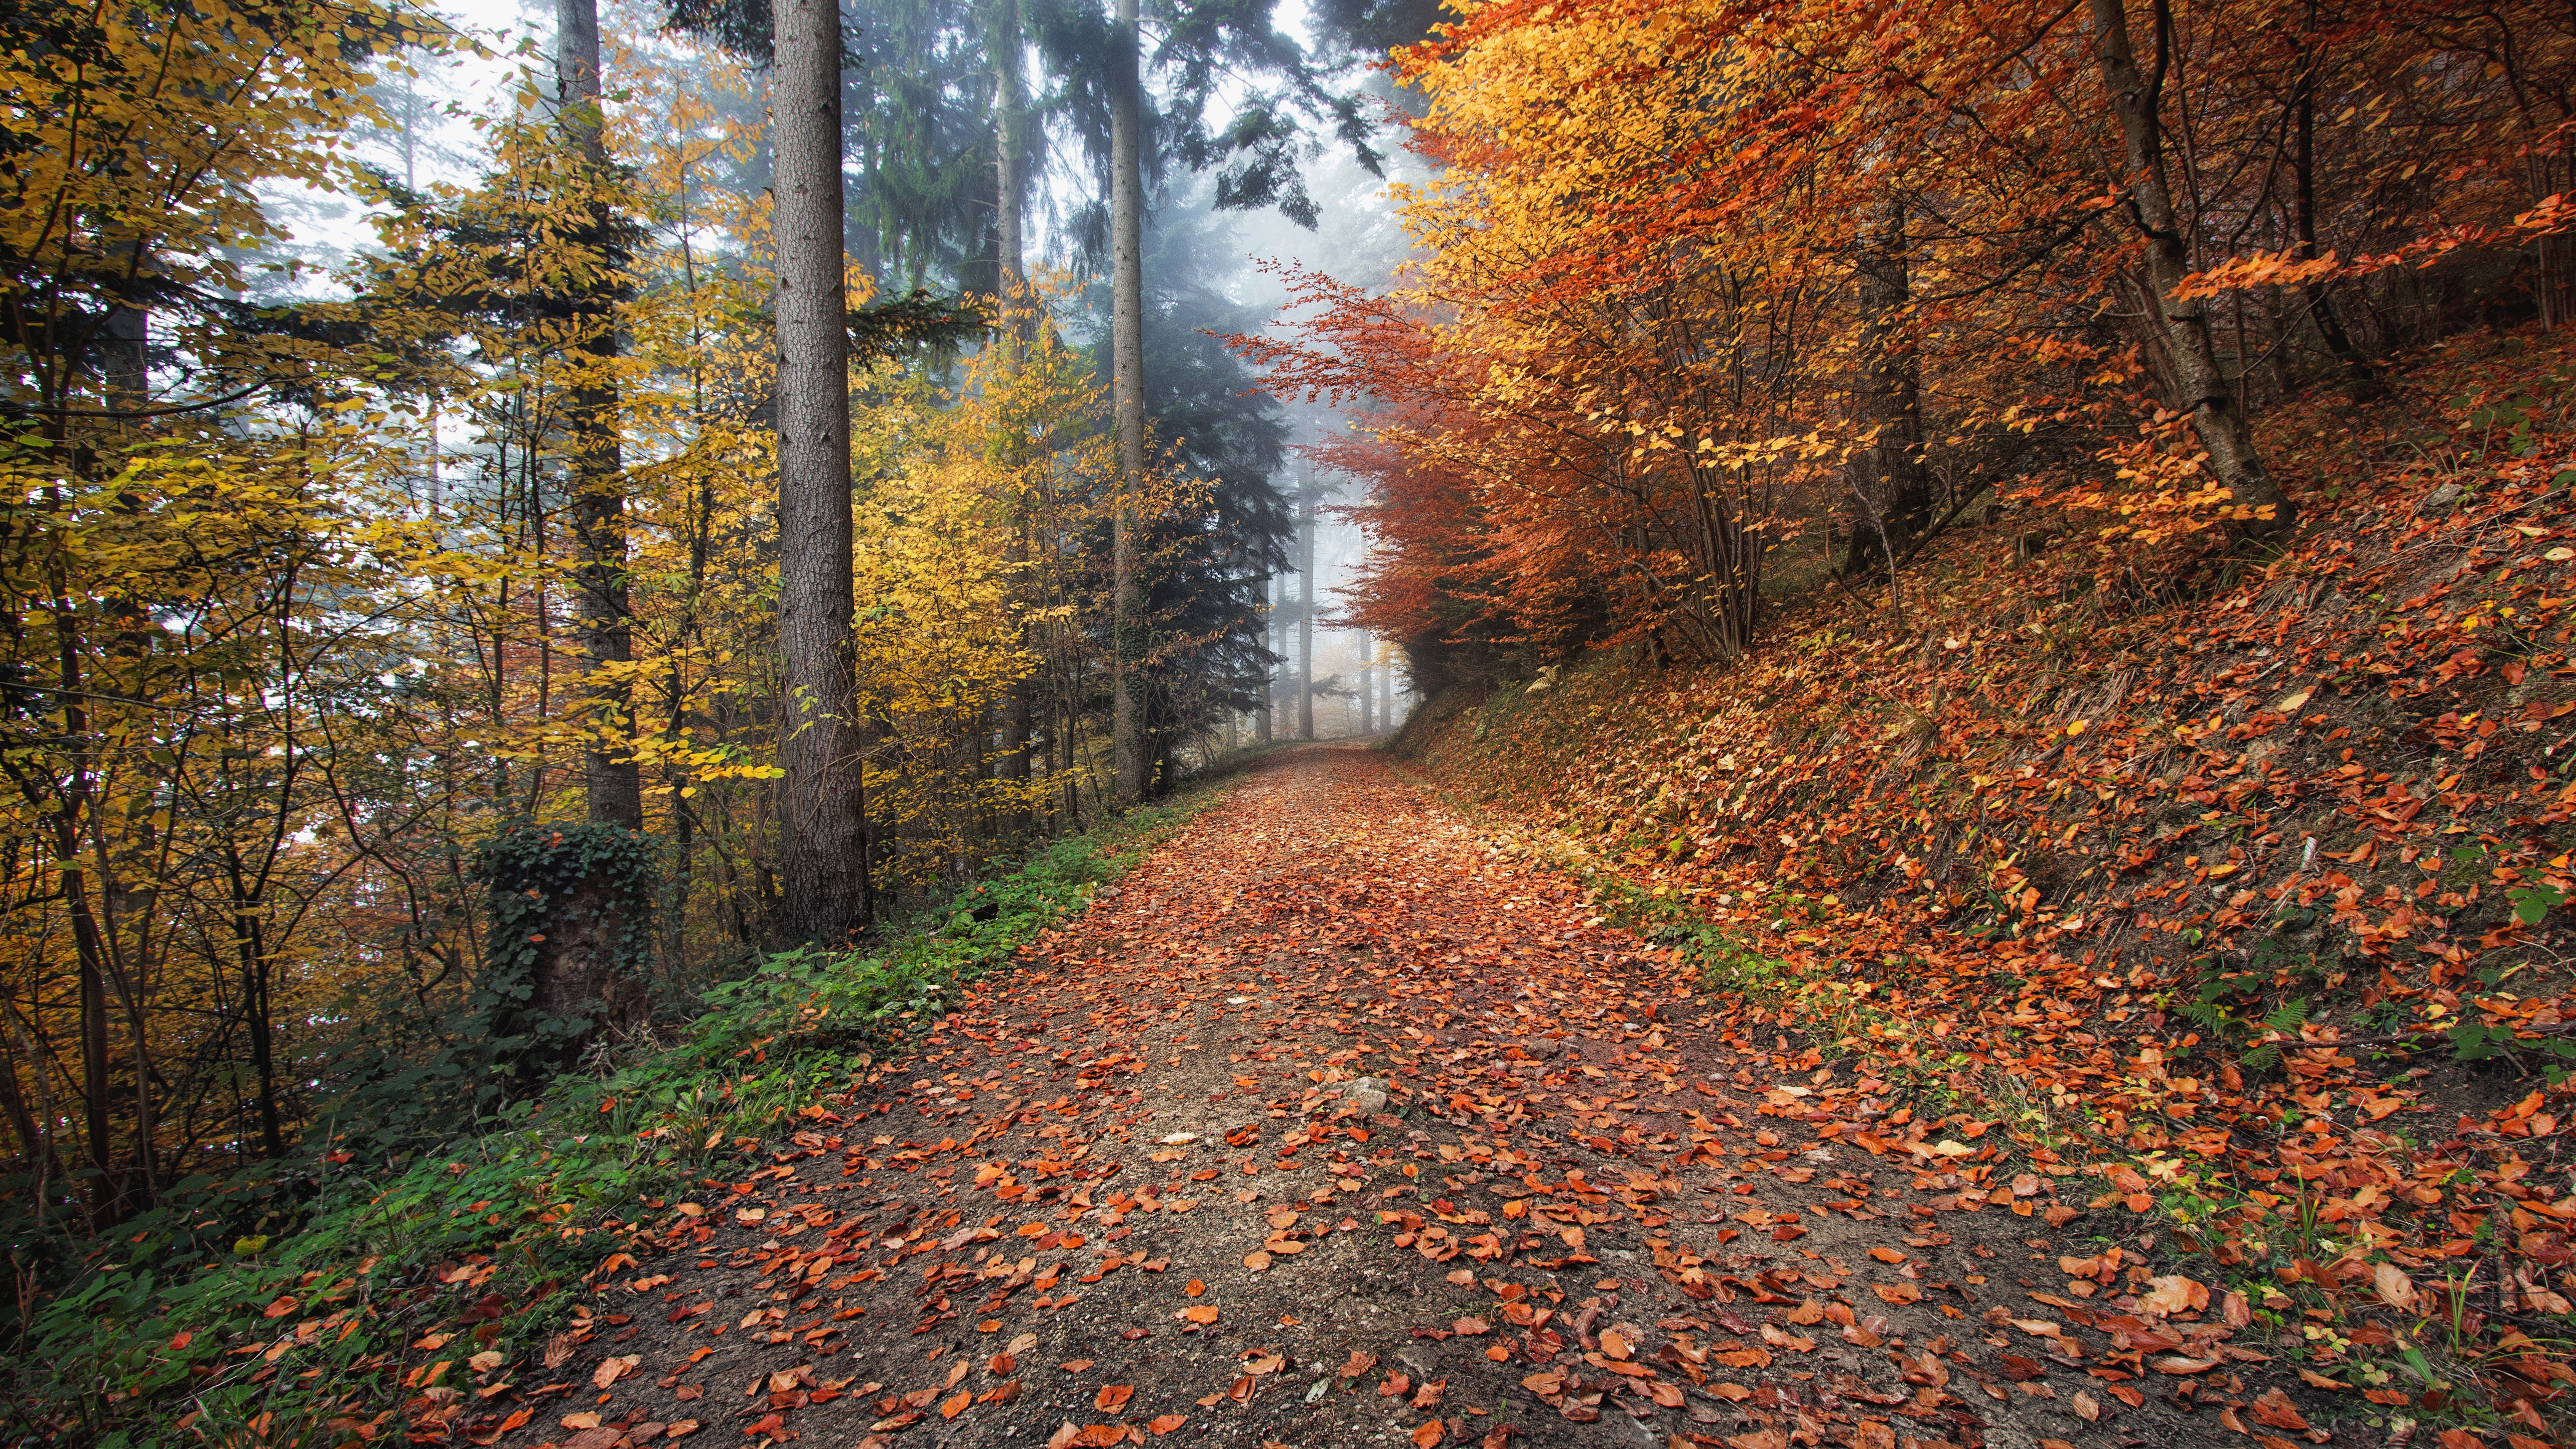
(1593, 1210)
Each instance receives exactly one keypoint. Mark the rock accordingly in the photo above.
(2437, 500)
(1367, 1095)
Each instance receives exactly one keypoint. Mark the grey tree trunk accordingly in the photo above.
(1010, 100)
(1127, 397)
(603, 615)
(2216, 412)
(1306, 499)
(1269, 636)
(1004, 41)
(1368, 699)
(821, 801)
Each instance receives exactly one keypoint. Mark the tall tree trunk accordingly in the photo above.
(603, 616)
(1306, 499)
(1004, 41)
(2216, 412)
(821, 805)
(1127, 395)
(1368, 696)
(1894, 486)
(1269, 638)
(2360, 380)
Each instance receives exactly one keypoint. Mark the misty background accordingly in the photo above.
(1207, 270)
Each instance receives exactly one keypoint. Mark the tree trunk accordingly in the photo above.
(125, 357)
(1269, 672)
(1005, 42)
(1306, 498)
(1127, 393)
(1368, 699)
(2206, 395)
(821, 807)
(1894, 486)
(1008, 186)
(603, 616)
(2360, 380)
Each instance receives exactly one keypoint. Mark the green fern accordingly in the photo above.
(2286, 1021)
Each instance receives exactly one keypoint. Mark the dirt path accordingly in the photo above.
(1137, 1189)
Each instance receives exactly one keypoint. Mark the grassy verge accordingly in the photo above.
(307, 1306)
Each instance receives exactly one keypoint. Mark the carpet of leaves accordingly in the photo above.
(1339, 1123)
(2238, 883)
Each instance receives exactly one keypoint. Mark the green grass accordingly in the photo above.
(302, 1305)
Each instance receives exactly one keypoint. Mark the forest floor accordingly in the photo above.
(1143, 1187)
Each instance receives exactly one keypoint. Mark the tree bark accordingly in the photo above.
(821, 804)
(1127, 395)
(1269, 638)
(1894, 486)
(2360, 380)
(1010, 99)
(1306, 499)
(603, 616)
(1009, 187)
(2216, 412)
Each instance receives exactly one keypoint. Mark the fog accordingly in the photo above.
(437, 138)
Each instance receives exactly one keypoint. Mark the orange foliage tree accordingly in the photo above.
(1699, 280)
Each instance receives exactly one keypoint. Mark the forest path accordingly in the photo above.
(1133, 1190)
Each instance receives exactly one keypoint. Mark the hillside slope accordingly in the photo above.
(2235, 878)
